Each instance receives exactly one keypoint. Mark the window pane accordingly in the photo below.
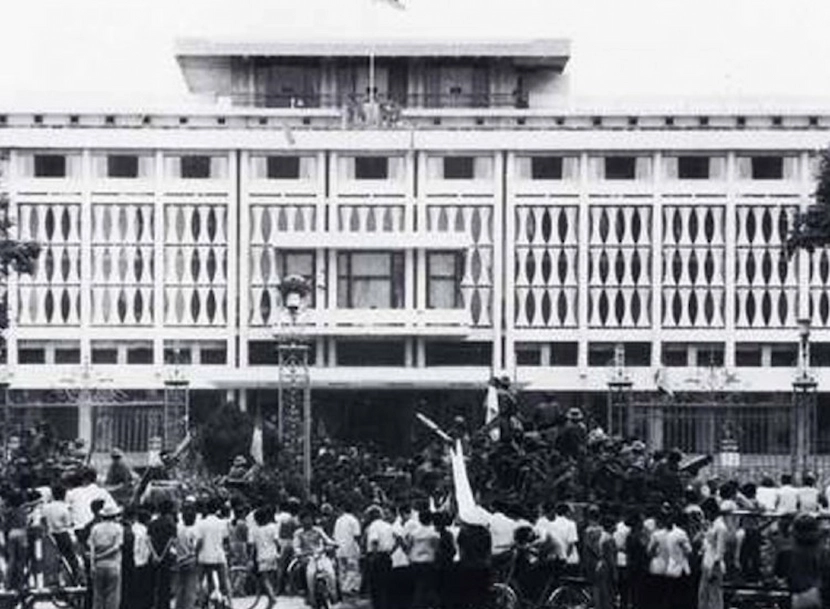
(458, 168)
(217, 356)
(767, 168)
(299, 264)
(546, 168)
(283, 167)
(371, 168)
(564, 354)
(443, 294)
(371, 293)
(693, 167)
(195, 167)
(140, 355)
(442, 265)
(70, 355)
(104, 356)
(50, 166)
(122, 166)
(747, 354)
(181, 355)
(31, 356)
(620, 167)
(374, 265)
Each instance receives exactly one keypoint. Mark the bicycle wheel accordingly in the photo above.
(321, 593)
(569, 597)
(245, 588)
(502, 596)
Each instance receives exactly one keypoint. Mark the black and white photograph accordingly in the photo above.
(415, 304)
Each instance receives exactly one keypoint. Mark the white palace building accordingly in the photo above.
(457, 215)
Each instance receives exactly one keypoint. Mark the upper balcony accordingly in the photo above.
(408, 74)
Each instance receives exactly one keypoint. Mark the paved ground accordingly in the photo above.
(295, 602)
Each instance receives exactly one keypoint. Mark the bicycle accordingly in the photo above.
(244, 581)
(509, 593)
(572, 593)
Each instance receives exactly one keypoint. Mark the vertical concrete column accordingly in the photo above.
(583, 244)
(331, 214)
(244, 250)
(15, 169)
(498, 262)
(509, 264)
(657, 262)
(85, 414)
(158, 256)
(237, 257)
(729, 234)
(806, 189)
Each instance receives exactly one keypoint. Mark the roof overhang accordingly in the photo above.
(548, 53)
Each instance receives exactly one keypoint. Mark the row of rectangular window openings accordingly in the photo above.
(392, 353)
(596, 121)
(775, 355)
(767, 167)
(134, 355)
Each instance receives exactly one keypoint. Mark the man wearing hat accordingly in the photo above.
(120, 478)
(574, 435)
(105, 542)
(238, 469)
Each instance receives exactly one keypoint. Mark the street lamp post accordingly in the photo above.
(804, 402)
(620, 418)
(176, 408)
(294, 393)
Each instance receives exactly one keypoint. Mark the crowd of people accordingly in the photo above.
(559, 498)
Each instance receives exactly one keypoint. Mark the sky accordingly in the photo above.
(124, 49)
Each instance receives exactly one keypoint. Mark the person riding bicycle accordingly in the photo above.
(310, 544)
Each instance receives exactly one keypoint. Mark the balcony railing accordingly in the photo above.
(356, 101)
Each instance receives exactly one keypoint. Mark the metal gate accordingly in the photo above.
(124, 419)
(774, 435)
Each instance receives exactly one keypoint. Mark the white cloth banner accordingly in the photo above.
(256, 445)
(491, 411)
(468, 511)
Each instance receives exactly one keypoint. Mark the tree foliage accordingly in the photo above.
(811, 229)
(15, 256)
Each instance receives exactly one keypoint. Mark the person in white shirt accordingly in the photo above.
(787, 496)
(81, 497)
(809, 498)
(212, 539)
(400, 581)
(265, 538)
(380, 543)
(347, 536)
(58, 521)
(564, 530)
(546, 538)
(767, 494)
(422, 541)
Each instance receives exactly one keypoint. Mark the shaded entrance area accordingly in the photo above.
(383, 418)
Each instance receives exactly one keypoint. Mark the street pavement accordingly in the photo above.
(296, 602)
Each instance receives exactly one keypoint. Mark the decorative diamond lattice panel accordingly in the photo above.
(370, 219)
(475, 224)
(820, 288)
(51, 296)
(195, 264)
(546, 266)
(693, 260)
(619, 266)
(267, 223)
(122, 265)
(766, 283)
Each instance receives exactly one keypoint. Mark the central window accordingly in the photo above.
(445, 271)
(370, 280)
(693, 167)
